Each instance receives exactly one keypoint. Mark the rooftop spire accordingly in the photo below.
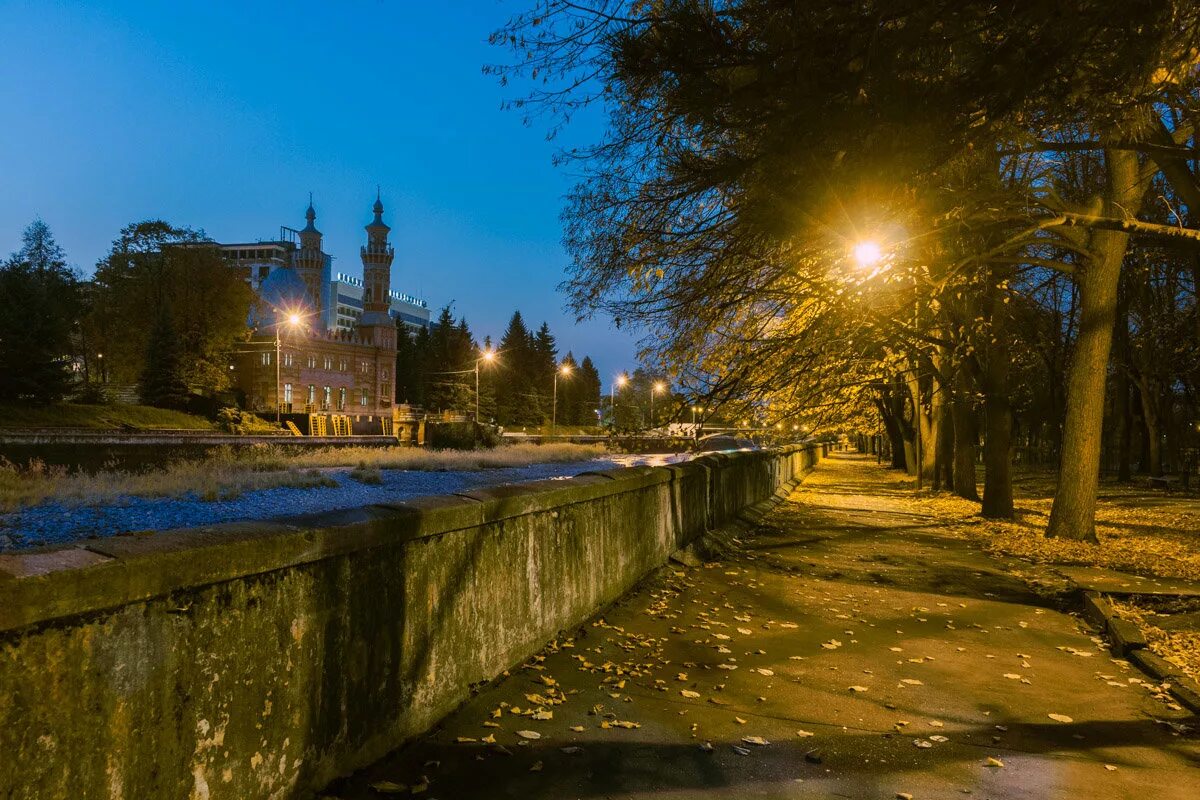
(311, 216)
(378, 222)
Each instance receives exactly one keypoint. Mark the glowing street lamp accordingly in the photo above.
(618, 383)
(488, 356)
(565, 371)
(658, 387)
(293, 320)
(867, 253)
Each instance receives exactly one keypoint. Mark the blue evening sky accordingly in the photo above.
(223, 116)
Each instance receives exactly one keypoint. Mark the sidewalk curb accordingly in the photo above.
(1129, 641)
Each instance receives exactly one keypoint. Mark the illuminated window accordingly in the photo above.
(342, 399)
(287, 393)
(326, 399)
(312, 394)
(363, 399)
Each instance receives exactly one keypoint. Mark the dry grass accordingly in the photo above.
(228, 473)
(516, 455)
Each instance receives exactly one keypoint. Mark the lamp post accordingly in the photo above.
(617, 383)
(292, 321)
(488, 356)
(868, 253)
(658, 386)
(565, 371)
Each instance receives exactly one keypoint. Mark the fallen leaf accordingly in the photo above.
(804, 734)
(537, 767)
(577, 728)
(572, 750)
(389, 787)
(529, 734)
(689, 693)
(1060, 717)
(465, 739)
(858, 688)
(923, 744)
(994, 762)
(756, 740)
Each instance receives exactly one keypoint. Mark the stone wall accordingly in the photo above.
(263, 660)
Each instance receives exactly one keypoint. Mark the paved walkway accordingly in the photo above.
(878, 656)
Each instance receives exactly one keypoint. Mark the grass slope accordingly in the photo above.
(106, 417)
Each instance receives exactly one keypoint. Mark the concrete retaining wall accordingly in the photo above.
(263, 660)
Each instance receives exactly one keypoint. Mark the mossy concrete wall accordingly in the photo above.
(263, 660)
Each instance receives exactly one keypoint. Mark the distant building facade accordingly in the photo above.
(320, 343)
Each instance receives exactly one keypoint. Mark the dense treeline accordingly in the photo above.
(435, 369)
(947, 224)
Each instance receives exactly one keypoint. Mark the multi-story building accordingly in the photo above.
(305, 355)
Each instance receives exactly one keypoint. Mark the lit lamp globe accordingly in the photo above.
(868, 253)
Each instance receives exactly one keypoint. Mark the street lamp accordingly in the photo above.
(293, 321)
(868, 253)
(658, 386)
(565, 371)
(620, 381)
(488, 356)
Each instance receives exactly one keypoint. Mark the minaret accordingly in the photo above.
(376, 325)
(310, 263)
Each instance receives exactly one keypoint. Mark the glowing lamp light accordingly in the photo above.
(660, 387)
(293, 319)
(565, 369)
(622, 380)
(868, 253)
(488, 355)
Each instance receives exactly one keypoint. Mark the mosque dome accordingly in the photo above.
(282, 293)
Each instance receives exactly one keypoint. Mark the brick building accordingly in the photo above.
(299, 362)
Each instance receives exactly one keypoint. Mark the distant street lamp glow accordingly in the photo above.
(293, 319)
(868, 253)
(620, 381)
(488, 356)
(565, 371)
(658, 386)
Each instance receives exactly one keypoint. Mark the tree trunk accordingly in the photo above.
(944, 473)
(997, 443)
(964, 438)
(1073, 514)
(1150, 417)
(1124, 426)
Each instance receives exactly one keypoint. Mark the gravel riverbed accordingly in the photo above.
(57, 523)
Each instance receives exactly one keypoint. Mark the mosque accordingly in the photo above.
(322, 345)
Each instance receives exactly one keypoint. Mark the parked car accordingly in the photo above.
(724, 443)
